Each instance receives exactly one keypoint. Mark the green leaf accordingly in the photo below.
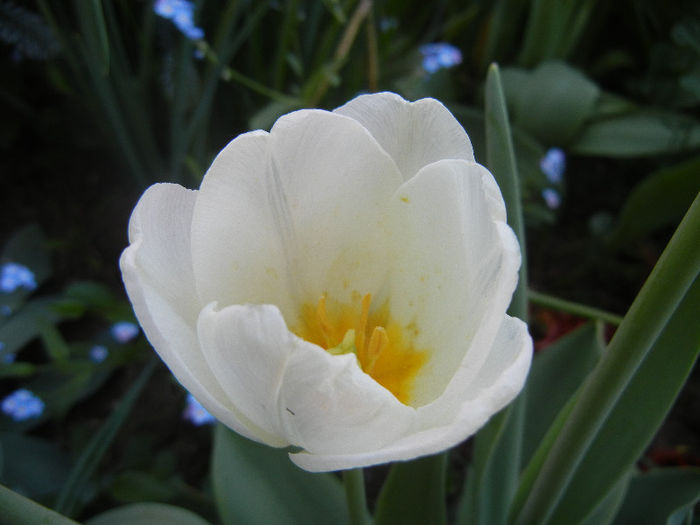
(26, 324)
(638, 134)
(69, 498)
(500, 159)
(414, 493)
(655, 496)
(556, 118)
(35, 467)
(147, 514)
(654, 306)
(605, 512)
(492, 480)
(638, 413)
(659, 200)
(492, 483)
(135, 486)
(556, 374)
(256, 484)
(18, 510)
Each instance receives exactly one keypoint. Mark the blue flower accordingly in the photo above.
(551, 197)
(5, 309)
(553, 165)
(124, 331)
(15, 276)
(439, 55)
(22, 404)
(195, 413)
(181, 13)
(98, 353)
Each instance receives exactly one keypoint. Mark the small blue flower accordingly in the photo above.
(98, 353)
(8, 358)
(440, 55)
(551, 197)
(124, 331)
(5, 310)
(22, 404)
(195, 413)
(553, 165)
(181, 13)
(15, 276)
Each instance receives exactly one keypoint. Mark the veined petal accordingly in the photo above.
(157, 273)
(414, 134)
(286, 216)
(236, 250)
(437, 428)
(454, 271)
(295, 389)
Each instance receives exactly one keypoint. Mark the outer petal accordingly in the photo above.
(157, 272)
(454, 271)
(282, 217)
(295, 389)
(414, 134)
(500, 379)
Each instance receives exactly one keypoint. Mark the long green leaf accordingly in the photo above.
(555, 376)
(638, 413)
(500, 159)
(256, 484)
(653, 497)
(69, 499)
(18, 510)
(414, 493)
(147, 514)
(665, 288)
(493, 481)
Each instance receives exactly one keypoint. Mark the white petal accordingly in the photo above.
(454, 271)
(414, 134)
(297, 390)
(157, 273)
(284, 217)
(500, 380)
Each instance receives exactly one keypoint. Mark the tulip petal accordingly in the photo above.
(283, 218)
(157, 272)
(414, 134)
(501, 378)
(295, 389)
(454, 271)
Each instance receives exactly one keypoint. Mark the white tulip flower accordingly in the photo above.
(338, 285)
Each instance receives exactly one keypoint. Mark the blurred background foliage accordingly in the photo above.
(102, 98)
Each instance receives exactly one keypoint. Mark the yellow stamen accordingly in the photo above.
(362, 326)
(377, 343)
(384, 348)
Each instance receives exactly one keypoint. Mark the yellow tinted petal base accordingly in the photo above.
(383, 347)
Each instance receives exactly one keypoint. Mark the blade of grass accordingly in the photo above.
(68, 500)
(658, 299)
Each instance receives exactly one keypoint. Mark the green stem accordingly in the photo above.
(571, 307)
(354, 482)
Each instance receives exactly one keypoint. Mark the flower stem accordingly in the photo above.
(354, 482)
(573, 308)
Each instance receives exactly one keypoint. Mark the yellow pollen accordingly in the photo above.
(383, 347)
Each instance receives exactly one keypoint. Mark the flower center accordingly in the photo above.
(383, 347)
